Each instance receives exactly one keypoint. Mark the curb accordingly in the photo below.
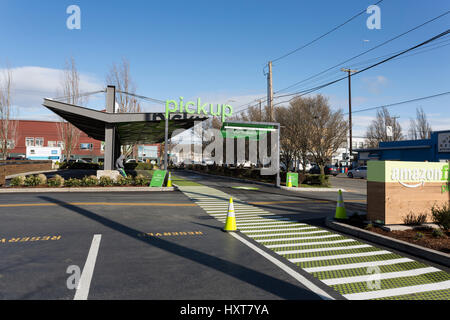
(296, 189)
(29, 173)
(426, 253)
(86, 189)
(237, 179)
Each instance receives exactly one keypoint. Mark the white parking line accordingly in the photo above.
(88, 270)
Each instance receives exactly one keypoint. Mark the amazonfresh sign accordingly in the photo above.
(408, 174)
(196, 107)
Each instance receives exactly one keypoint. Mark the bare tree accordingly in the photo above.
(377, 132)
(68, 133)
(8, 127)
(120, 77)
(420, 128)
(327, 130)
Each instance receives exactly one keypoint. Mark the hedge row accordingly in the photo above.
(87, 181)
(99, 166)
(255, 174)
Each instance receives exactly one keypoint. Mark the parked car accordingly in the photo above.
(360, 172)
(329, 170)
(131, 161)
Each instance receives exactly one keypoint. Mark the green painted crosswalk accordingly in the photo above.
(354, 269)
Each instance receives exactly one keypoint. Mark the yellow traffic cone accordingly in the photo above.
(289, 183)
(340, 208)
(169, 180)
(230, 224)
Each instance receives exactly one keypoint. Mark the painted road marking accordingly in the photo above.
(323, 249)
(172, 233)
(29, 239)
(336, 260)
(88, 270)
(340, 256)
(272, 246)
(145, 204)
(398, 291)
(357, 265)
(301, 238)
(308, 284)
(388, 275)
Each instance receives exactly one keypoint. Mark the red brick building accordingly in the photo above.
(47, 134)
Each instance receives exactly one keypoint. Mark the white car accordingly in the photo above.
(360, 172)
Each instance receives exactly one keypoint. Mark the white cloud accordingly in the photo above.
(32, 83)
(375, 84)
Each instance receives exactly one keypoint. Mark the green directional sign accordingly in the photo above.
(158, 178)
(245, 130)
(294, 178)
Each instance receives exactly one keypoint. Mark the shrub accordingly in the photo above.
(441, 216)
(368, 226)
(89, 181)
(122, 181)
(72, 182)
(42, 179)
(438, 233)
(412, 219)
(32, 181)
(418, 236)
(140, 180)
(18, 181)
(105, 181)
(54, 182)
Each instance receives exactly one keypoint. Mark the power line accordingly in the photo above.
(322, 72)
(369, 50)
(402, 102)
(323, 35)
(367, 68)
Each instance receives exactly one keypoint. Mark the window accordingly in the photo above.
(39, 142)
(10, 144)
(29, 142)
(51, 143)
(85, 146)
(61, 145)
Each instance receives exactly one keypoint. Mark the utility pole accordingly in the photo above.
(349, 71)
(260, 114)
(270, 92)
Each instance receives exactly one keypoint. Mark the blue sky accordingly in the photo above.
(217, 50)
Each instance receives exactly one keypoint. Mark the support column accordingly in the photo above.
(110, 134)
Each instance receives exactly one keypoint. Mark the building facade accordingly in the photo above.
(435, 149)
(32, 133)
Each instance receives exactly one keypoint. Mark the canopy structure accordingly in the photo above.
(118, 129)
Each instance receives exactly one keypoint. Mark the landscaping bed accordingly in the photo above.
(41, 181)
(253, 174)
(425, 236)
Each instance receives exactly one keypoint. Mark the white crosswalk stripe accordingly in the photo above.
(304, 243)
(323, 249)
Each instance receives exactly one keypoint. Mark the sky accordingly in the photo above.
(217, 50)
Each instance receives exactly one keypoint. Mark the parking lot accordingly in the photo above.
(148, 246)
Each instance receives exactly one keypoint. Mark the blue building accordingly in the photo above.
(435, 149)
